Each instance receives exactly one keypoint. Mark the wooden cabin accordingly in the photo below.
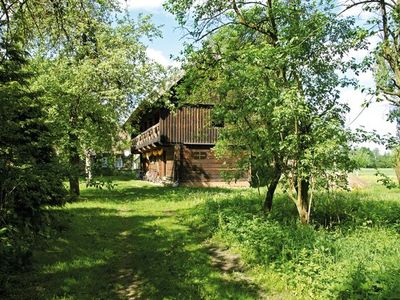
(176, 146)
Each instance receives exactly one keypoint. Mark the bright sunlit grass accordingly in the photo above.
(142, 241)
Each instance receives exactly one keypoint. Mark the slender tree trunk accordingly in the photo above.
(88, 167)
(303, 186)
(267, 207)
(74, 163)
(74, 159)
(396, 151)
(397, 163)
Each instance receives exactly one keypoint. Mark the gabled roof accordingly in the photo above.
(157, 98)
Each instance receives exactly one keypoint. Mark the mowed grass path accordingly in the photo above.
(129, 243)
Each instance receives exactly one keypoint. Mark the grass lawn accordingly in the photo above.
(129, 243)
(142, 241)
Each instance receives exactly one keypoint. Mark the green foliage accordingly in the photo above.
(363, 157)
(387, 22)
(349, 252)
(386, 160)
(367, 158)
(93, 84)
(129, 242)
(386, 180)
(274, 71)
(30, 177)
(90, 66)
(152, 236)
(101, 183)
(384, 23)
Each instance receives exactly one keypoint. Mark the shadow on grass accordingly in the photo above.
(151, 192)
(104, 255)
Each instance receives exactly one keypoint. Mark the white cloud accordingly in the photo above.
(142, 4)
(372, 118)
(160, 57)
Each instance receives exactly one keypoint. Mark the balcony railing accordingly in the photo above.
(148, 137)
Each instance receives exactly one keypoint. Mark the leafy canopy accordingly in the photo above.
(276, 69)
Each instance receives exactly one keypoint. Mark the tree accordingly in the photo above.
(90, 65)
(273, 65)
(98, 70)
(90, 90)
(385, 160)
(30, 175)
(364, 157)
(385, 23)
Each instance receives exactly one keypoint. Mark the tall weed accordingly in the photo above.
(350, 251)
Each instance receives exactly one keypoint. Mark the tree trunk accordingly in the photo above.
(303, 186)
(74, 159)
(88, 167)
(74, 162)
(267, 207)
(397, 165)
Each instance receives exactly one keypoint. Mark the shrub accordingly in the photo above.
(350, 251)
(30, 178)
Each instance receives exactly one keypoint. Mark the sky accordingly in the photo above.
(164, 49)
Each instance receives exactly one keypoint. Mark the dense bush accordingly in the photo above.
(30, 178)
(351, 250)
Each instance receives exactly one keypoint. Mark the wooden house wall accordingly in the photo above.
(207, 169)
(154, 166)
(162, 165)
(188, 125)
(180, 163)
(170, 164)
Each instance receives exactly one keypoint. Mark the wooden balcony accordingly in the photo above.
(148, 138)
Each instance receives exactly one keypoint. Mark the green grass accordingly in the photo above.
(129, 243)
(142, 241)
(368, 175)
(350, 251)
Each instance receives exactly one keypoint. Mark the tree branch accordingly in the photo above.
(244, 22)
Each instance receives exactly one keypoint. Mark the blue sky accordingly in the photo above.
(171, 43)
(371, 118)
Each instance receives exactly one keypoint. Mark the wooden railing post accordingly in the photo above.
(148, 137)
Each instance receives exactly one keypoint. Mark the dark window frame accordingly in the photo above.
(199, 155)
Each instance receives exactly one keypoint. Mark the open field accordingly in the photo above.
(369, 175)
(142, 241)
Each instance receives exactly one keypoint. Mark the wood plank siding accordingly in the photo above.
(188, 125)
(200, 167)
(176, 146)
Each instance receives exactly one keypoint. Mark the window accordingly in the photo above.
(104, 162)
(199, 155)
(119, 163)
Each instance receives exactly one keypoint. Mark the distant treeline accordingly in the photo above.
(367, 158)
